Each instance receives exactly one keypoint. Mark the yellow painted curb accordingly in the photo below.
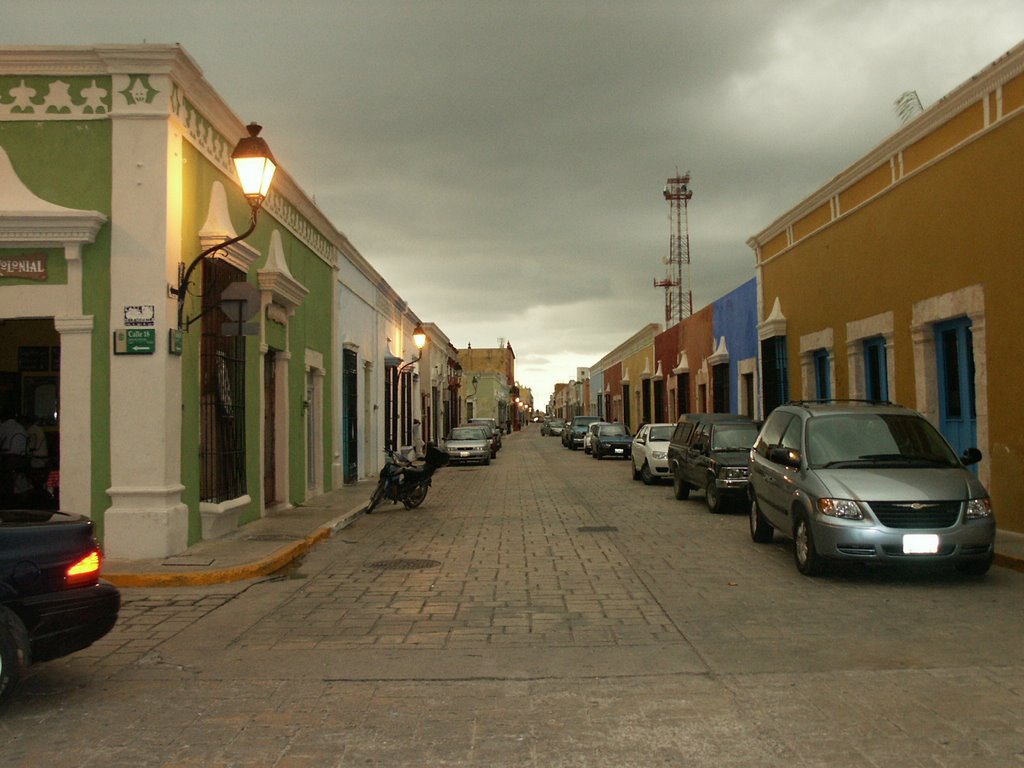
(269, 564)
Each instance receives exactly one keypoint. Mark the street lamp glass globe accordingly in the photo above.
(254, 165)
(419, 336)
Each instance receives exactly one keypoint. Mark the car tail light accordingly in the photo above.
(86, 571)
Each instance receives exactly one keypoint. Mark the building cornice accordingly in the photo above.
(972, 91)
(171, 83)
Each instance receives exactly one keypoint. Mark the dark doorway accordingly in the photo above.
(350, 416)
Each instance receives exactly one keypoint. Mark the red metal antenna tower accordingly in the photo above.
(680, 306)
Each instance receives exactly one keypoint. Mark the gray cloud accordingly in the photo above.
(501, 164)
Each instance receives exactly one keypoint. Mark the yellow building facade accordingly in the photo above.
(901, 279)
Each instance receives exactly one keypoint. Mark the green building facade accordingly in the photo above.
(115, 174)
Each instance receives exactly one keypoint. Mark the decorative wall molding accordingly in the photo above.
(55, 98)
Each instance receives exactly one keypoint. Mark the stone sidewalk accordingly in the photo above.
(257, 549)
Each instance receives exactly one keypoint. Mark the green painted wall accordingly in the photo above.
(68, 163)
(309, 328)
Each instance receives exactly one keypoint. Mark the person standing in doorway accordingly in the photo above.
(14, 483)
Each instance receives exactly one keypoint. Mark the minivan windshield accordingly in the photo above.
(873, 439)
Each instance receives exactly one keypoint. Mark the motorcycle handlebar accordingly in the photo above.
(396, 457)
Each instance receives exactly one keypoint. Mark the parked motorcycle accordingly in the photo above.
(402, 480)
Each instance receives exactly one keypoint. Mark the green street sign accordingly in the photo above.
(135, 341)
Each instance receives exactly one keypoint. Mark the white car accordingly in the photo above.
(650, 453)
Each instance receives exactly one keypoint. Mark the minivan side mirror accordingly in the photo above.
(971, 456)
(785, 456)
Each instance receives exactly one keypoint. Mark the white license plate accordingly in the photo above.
(920, 544)
(619, 450)
(463, 454)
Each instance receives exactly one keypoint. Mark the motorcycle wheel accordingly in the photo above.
(415, 497)
(378, 494)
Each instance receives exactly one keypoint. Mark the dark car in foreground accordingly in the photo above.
(52, 600)
(867, 482)
(611, 440)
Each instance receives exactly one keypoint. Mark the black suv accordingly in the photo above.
(710, 451)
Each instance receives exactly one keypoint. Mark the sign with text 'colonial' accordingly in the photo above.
(29, 266)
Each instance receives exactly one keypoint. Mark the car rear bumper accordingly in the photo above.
(64, 622)
(837, 539)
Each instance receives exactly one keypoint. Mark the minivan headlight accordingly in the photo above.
(846, 509)
(659, 454)
(979, 508)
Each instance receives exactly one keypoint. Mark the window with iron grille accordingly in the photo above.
(774, 372)
(222, 394)
(390, 406)
(822, 374)
(659, 401)
(683, 393)
(406, 387)
(720, 388)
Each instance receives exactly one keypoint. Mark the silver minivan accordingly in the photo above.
(863, 481)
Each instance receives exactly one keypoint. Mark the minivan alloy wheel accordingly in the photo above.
(760, 529)
(808, 561)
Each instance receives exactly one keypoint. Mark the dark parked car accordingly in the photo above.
(575, 430)
(867, 482)
(610, 440)
(52, 600)
(491, 424)
(709, 451)
(553, 427)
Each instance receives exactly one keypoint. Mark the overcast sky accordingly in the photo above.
(501, 164)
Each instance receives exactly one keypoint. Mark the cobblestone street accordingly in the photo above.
(543, 611)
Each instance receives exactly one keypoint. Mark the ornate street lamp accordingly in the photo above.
(255, 166)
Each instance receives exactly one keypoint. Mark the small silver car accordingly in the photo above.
(869, 482)
(469, 444)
